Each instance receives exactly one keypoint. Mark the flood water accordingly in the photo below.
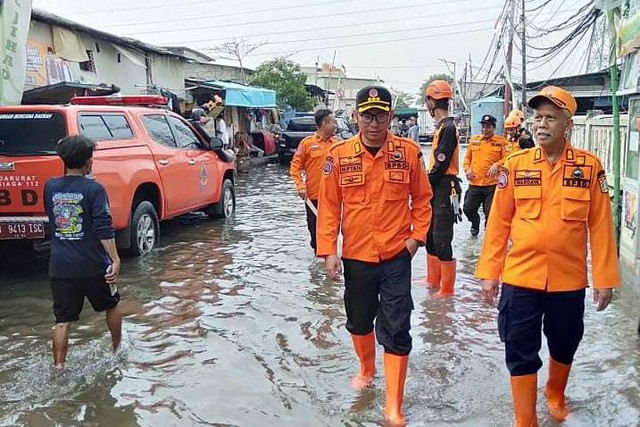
(233, 323)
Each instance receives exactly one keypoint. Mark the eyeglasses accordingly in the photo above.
(380, 118)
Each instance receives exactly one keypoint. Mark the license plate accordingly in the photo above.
(21, 230)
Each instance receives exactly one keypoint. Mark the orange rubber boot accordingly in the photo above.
(448, 272)
(556, 384)
(433, 271)
(365, 346)
(395, 373)
(524, 390)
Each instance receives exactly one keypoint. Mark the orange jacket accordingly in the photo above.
(310, 158)
(512, 146)
(444, 158)
(481, 155)
(547, 213)
(377, 203)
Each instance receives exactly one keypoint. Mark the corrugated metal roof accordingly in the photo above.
(51, 19)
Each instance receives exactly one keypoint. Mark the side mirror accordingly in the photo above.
(216, 143)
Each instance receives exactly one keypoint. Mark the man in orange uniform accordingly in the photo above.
(375, 191)
(511, 125)
(549, 200)
(310, 157)
(443, 176)
(484, 156)
(525, 138)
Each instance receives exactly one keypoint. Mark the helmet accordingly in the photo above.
(519, 114)
(439, 89)
(512, 122)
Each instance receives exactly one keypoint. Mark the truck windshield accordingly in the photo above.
(33, 133)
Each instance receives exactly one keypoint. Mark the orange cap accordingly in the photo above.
(439, 89)
(560, 97)
(512, 122)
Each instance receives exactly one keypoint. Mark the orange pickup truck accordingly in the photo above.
(154, 165)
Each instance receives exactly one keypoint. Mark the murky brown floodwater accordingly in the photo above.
(234, 324)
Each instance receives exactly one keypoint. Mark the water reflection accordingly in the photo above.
(234, 323)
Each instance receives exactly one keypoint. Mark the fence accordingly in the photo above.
(596, 135)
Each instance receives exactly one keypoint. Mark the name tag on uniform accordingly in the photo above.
(528, 178)
(350, 165)
(577, 176)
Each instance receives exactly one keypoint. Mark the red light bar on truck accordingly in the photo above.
(120, 100)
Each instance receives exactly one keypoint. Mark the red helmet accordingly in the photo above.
(439, 89)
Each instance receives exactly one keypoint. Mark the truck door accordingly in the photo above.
(171, 161)
(204, 183)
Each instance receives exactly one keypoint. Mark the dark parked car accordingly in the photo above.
(298, 129)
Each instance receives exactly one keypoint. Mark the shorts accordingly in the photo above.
(68, 296)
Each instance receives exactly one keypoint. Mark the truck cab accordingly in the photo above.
(153, 163)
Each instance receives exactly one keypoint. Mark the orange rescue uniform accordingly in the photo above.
(481, 155)
(377, 202)
(310, 157)
(512, 146)
(548, 212)
(435, 160)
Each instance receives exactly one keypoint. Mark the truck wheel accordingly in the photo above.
(226, 207)
(145, 229)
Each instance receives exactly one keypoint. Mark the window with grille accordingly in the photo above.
(89, 65)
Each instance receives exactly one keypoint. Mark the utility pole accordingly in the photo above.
(507, 84)
(455, 85)
(524, 58)
(613, 16)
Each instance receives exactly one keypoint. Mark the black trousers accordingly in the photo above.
(478, 195)
(380, 292)
(311, 223)
(524, 312)
(440, 234)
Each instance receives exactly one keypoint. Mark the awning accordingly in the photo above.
(61, 93)
(68, 45)
(237, 95)
(130, 56)
(406, 112)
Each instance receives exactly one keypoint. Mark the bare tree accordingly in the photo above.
(237, 50)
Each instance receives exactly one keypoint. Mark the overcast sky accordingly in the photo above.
(402, 42)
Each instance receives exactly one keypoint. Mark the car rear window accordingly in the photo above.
(306, 124)
(103, 127)
(33, 133)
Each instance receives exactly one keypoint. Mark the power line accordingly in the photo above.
(226, 15)
(296, 18)
(335, 27)
(154, 6)
(484, 21)
(285, 53)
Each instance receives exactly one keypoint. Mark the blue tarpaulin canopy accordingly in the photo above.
(237, 95)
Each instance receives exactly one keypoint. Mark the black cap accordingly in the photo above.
(488, 119)
(373, 97)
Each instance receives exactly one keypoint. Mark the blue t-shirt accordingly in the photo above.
(79, 217)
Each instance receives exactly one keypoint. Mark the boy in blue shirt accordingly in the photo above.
(84, 258)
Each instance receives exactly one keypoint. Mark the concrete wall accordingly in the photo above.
(131, 78)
